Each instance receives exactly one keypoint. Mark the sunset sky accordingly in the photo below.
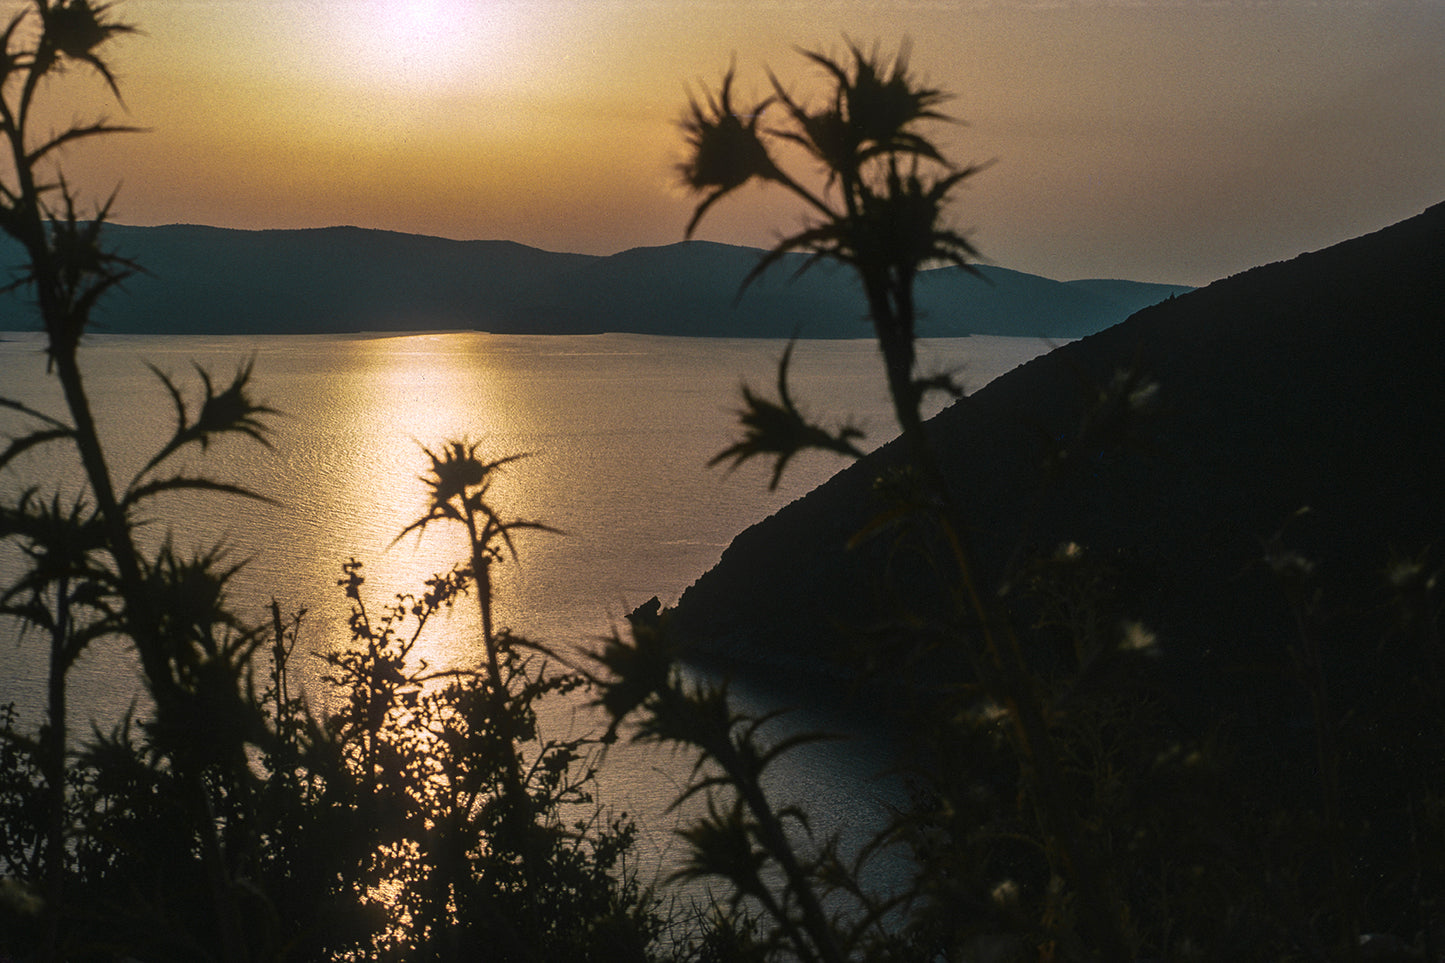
(1176, 141)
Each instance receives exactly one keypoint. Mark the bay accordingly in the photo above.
(617, 432)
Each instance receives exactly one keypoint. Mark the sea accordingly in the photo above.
(615, 434)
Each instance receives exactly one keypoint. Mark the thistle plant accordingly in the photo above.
(459, 485)
(881, 213)
(804, 888)
(481, 825)
(89, 577)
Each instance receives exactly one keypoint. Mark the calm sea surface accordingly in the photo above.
(617, 430)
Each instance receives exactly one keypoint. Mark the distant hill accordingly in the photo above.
(1316, 383)
(205, 280)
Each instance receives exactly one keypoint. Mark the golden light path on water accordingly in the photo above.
(366, 461)
(619, 469)
(617, 430)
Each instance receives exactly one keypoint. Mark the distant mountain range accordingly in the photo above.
(206, 280)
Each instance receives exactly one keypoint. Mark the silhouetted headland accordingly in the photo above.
(1316, 383)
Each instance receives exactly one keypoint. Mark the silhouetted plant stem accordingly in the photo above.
(517, 820)
(143, 624)
(286, 722)
(519, 815)
(890, 298)
(1309, 662)
(53, 758)
(140, 612)
(68, 274)
(141, 618)
(821, 938)
(516, 790)
(459, 486)
(64, 309)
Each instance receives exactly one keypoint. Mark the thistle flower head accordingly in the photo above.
(454, 470)
(726, 150)
(77, 29)
(883, 103)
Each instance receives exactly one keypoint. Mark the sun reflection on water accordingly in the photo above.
(617, 430)
(399, 397)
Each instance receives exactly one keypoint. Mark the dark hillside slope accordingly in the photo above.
(1130, 296)
(1317, 382)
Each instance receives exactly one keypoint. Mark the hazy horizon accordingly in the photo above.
(1170, 141)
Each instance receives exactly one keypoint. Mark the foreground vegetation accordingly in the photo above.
(1060, 813)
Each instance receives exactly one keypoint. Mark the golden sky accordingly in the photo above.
(1161, 140)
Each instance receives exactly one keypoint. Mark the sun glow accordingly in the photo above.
(430, 45)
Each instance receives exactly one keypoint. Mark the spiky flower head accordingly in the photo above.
(726, 149)
(77, 29)
(883, 103)
(456, 469)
